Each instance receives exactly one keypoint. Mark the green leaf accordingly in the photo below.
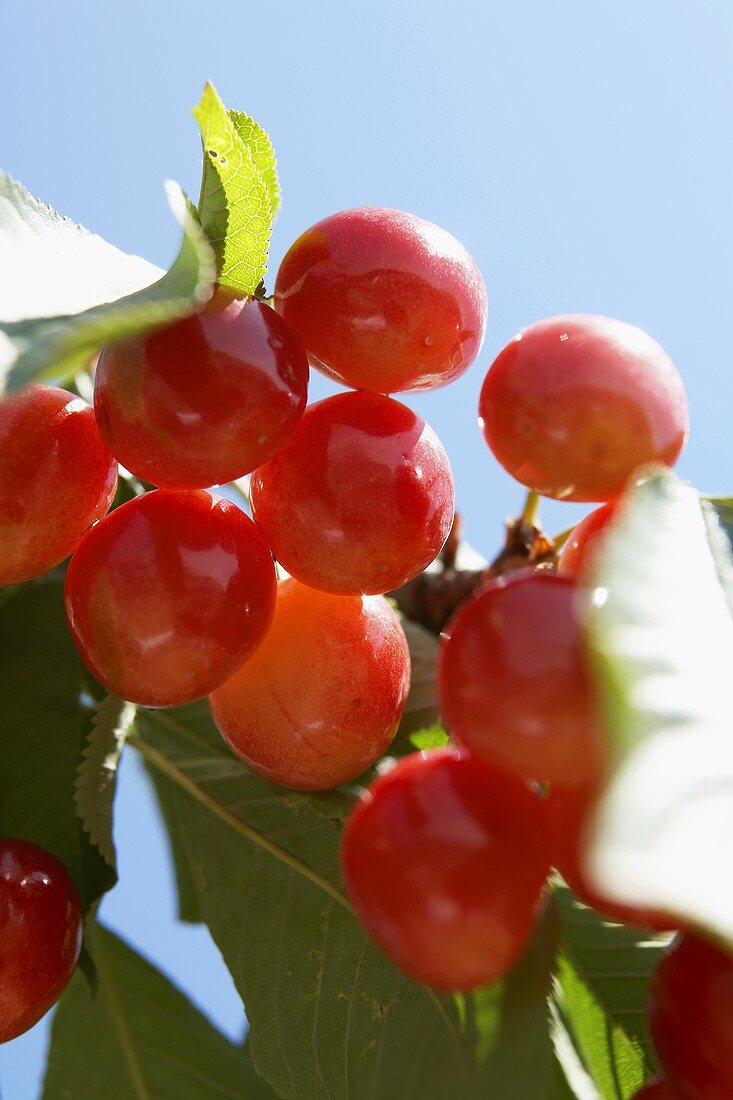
(570, 1079)
(192, 719)
(718, 513)
(661, 632)
(234, 205)
(97, 776)
(561, 1089)
(421, 709)
(329, 1016)
(433, 738)
(140, 1039)
(263, 154)
(78, 268)
(601, 984)
(46, 714)
(520, 1061)
(101, 307)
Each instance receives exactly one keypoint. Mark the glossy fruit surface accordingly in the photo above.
(657, 1090)
(691, 1018)
(321, 699)
(169, 595)
(56, 478)
(570, 815)
(206, 399)
(383, 300)
(514, 686)
(360, 499)
(578, 552)
(574, 404)
(40, 934)
(444, 859)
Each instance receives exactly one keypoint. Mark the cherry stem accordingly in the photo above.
(558, 541)
(531, 513)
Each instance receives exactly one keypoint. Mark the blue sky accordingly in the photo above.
(583, 153)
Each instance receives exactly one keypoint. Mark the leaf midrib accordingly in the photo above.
(118, 1019)
(160, 761)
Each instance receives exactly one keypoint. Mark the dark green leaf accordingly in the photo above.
(329, 1015)
(140, 1039)
(234, 205)
(560, 1087)
(421, 709)
(519, 1058)
(52, 347)
(601, 985)
(45, 721)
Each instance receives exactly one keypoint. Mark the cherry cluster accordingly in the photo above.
(173, 596)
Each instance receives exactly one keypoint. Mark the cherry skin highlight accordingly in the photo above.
(40, 934)
(690, 1011)
(56, 479)
(657, 1090)
(570, 817)
(513, 683)
(444, 859)
(574, 404)
(205, 399)
(361, 498)
(169, 595)
(321, 699)
(383, 300)
(580, 549)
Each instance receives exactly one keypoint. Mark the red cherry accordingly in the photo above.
(360, 499)
(56, 478)
(168, 595)
(203, 400)
(581, 547)
(691, 1018)
(570, 813)
(658, 1089)
(574, 404)
(444, 859)
(384, 301)
(513, 681)
(40, 934)
(317, 730)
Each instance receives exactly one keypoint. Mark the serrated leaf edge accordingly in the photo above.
(96, 773)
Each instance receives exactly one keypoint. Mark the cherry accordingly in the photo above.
(444, 858)
(570, 814)
(659, 1089)
(691, 1018)
(317, 730)
(580, 549)
(383, 300)
(56, 478)
(513, 682)
(40, 934)
(360, 499)
(168, 595)
(205, 399)
(574, 404)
